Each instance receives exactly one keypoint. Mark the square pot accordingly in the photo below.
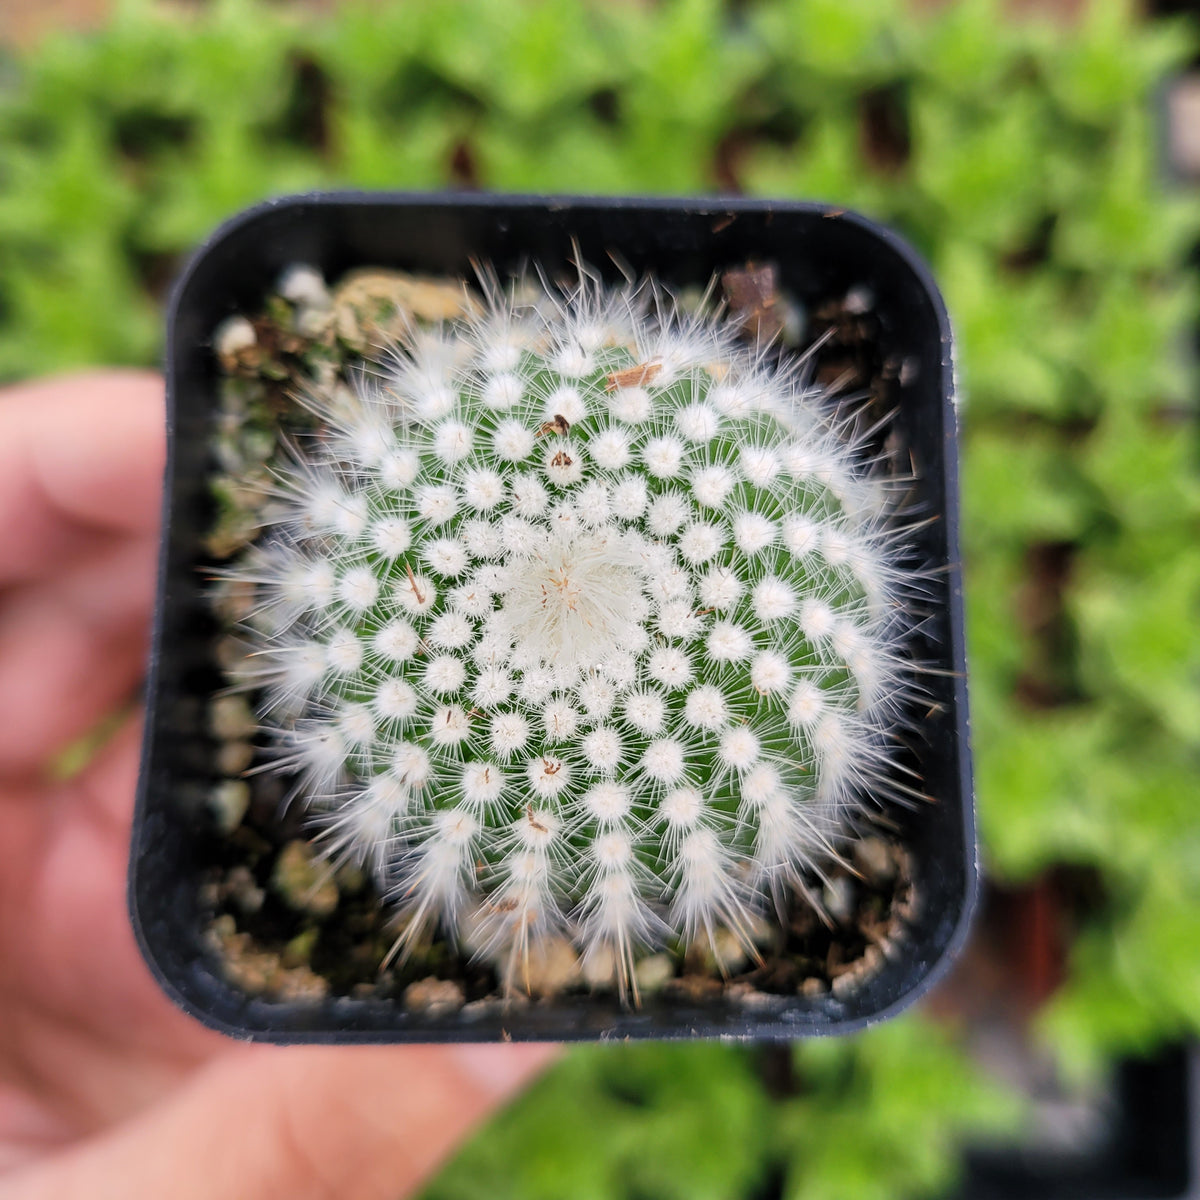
(819, 252)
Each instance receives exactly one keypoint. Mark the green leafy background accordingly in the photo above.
(1021, 157)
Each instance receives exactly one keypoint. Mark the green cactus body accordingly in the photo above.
(579, 617)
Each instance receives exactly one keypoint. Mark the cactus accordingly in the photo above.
(578, 616)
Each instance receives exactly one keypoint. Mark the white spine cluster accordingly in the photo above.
(581, 617)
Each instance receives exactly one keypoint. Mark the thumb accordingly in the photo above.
(260, 1123)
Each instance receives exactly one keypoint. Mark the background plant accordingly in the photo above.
(1021, 158)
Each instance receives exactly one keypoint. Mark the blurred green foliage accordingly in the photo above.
(1020, 157)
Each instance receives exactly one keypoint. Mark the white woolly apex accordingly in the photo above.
(573, 603)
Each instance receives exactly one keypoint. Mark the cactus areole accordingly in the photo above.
(580, 616)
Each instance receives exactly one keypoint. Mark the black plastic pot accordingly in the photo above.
(820, 252)
(1140, 1142)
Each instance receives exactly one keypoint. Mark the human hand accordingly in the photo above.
(107, 1090)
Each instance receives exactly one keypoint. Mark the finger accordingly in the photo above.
(87, 1029)
(303, 1123)
(72, 649)
(79, 455)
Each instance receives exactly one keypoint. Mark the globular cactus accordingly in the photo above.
(579, 616)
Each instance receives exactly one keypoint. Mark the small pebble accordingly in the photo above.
(303, 883)
(433, 996)
(699, 989)
(232, 653)
(478, 1009)
(232, 336)
(304, 285)
(552, 966)
(233, 600)
(245, 893)
(229, 801)
(298, 952)
(854, 973)
(234, 757)
(750, 997)
(231, 717)
(300, 984)
(873, 860)
(729, 955)
(653, 972)
(724, 954)
(859, 300)
(600, 968)
(838, 898)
